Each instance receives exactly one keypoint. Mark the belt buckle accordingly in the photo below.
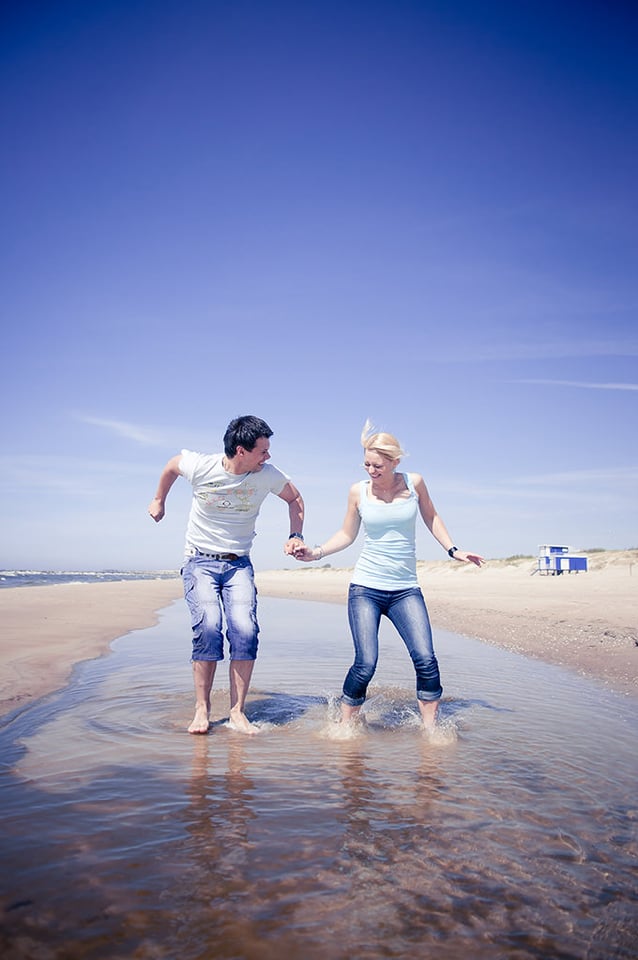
(195, 552)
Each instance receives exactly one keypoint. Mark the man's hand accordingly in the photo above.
(292, 546)
(156, 509)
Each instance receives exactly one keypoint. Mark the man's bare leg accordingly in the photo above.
(203, 675)
(240, 672)
(428, 710)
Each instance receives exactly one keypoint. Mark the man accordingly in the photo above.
(228, 490)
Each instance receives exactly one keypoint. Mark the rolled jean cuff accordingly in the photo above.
(427, 697)
(352, 701)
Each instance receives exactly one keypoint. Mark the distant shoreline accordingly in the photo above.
(586, 622)
(43, 578)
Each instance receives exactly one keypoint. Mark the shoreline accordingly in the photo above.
(585, 622)
(46, 630)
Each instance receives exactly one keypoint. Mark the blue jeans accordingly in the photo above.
(407, 611)
(214, 589)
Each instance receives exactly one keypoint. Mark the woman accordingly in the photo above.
(384, 582)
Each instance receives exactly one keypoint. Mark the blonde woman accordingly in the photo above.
(384, 581)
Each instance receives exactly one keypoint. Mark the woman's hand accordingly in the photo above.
(469, 557)
(306, 554)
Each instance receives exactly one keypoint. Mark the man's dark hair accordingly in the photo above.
(244, 432)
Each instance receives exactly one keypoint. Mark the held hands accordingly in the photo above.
(307, 554)
(293, 545)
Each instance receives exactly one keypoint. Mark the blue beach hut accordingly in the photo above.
(554, 560)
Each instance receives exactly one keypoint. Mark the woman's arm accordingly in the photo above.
(435, 524)
(343, 537)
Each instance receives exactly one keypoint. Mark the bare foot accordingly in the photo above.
(350, 714)
(343, 729)
(240, 722)
(442, 734)
(200, 721)
(428, 710)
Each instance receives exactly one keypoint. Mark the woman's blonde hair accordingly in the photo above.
(383, 443)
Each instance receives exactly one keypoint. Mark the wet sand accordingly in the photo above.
(45, 631)
(587, 622)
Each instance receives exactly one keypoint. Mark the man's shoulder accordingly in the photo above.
(273, 477)
(192, 462)
(196, 455)
(270, 468)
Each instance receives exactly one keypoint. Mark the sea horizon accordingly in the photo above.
(41, 578)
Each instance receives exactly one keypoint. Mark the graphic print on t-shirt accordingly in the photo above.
(218, 496)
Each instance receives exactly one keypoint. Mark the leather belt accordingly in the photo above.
(194, 552)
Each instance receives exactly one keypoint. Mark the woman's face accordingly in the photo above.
(378, 466)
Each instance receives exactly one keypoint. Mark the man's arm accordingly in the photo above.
(296, 515)
(169, 475)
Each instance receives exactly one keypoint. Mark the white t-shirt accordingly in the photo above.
(225, 505)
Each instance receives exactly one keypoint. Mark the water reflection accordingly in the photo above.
(515, 837)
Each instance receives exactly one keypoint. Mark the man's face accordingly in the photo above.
(255, 459)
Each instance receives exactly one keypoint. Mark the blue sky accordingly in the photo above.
(419, 212)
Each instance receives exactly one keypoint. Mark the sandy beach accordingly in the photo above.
(45, 631)
(587, 622)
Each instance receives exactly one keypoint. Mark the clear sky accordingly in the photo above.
(316, 212)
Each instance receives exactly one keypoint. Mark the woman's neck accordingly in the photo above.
(385, 491)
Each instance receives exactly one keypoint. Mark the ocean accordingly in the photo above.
(42, 578)
(511, 836)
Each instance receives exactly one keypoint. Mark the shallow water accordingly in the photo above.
(514, 835)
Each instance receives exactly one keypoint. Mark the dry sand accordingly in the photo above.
(587, 622)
